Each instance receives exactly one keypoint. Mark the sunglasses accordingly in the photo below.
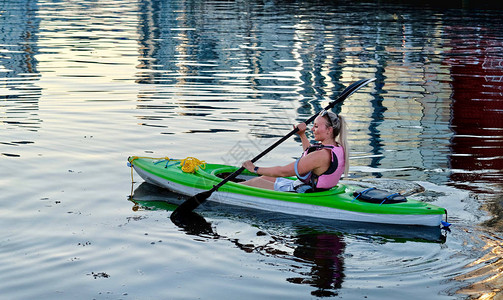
(325, 113)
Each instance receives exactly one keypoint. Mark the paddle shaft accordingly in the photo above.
(193, 202)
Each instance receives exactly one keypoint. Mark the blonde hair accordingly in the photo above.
(340, 129)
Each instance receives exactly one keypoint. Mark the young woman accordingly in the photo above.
(320, 166)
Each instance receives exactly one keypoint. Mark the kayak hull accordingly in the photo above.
(338, 203)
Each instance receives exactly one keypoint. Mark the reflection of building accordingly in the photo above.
(222, 53)
(188, 49)
(404, 126)
(477, 108)
(19, 93)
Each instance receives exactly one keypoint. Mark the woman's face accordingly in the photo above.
(320, 129)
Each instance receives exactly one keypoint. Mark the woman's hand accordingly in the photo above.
(302, 128)
(302, 134)
(249, 165)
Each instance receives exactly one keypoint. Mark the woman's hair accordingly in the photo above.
(340, 129)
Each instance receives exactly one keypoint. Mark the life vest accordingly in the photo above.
(331, 176)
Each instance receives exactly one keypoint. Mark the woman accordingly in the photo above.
(320, 166)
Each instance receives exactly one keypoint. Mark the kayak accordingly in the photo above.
(151, 197)
(339, 203)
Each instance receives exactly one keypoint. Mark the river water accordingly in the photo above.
(85, 84)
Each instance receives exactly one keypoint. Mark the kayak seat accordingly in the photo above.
(373, 195)
(306, 188)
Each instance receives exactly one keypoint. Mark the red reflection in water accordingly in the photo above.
(477, 108)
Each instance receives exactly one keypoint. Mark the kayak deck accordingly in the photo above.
(336, 203)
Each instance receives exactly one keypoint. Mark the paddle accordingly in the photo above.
(194, 201)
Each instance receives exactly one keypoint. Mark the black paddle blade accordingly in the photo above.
(191, 203)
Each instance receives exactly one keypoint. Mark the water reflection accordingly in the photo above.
(325, 253)
(315, 250)
(19, 89)
(484, 273)
(229, 58)
(477, 109)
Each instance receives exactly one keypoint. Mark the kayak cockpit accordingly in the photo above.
(237, 179)
(225, 171)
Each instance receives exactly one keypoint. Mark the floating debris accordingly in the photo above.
(99, 275)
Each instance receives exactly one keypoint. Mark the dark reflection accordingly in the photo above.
(19, 93)
(449, 4)
(377, 117)
(477, 109)
(318, 243)
(325, 253)
(477, 114)
(192, 223)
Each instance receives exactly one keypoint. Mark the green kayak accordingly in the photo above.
(343, 202)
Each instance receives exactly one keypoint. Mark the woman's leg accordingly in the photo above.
(264, 182)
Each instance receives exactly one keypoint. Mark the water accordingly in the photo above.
(85, 84)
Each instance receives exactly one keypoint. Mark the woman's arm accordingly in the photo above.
(317, 161)
(278, 171)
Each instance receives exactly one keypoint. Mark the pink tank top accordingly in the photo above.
(332, 175)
